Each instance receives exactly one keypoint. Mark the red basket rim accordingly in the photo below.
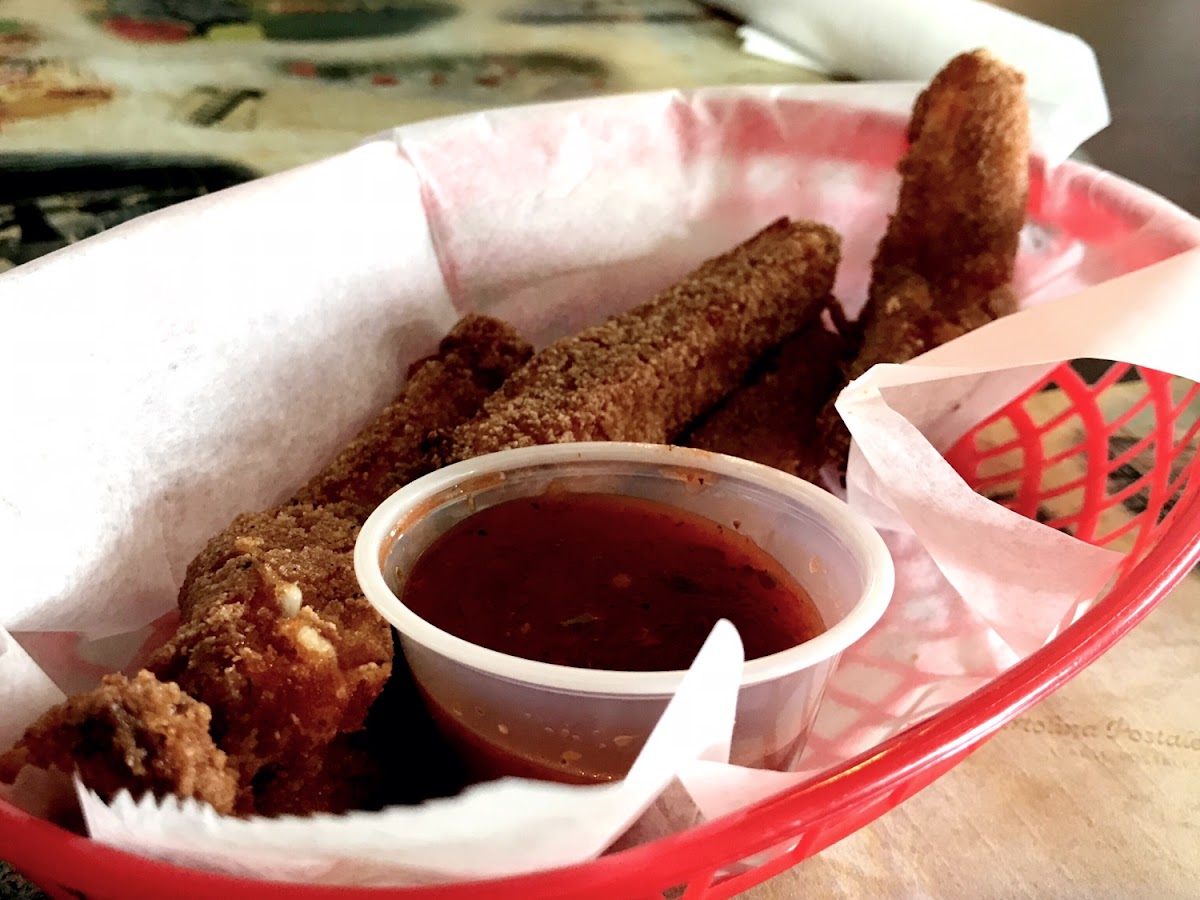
(755, 828)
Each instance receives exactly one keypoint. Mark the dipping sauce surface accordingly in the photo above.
(605, 582)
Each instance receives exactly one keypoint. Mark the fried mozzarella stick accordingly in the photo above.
(136, 734)
(772, 418)
(646, 374)
(472, 361)
(278, 653)
(280, 643)
(945, 265)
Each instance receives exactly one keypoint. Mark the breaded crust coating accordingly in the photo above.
(644, 375)
(772, 418)
(964, 186)
(279, 657)
(136, 734)
(946, 263)
(286, 529)
(280, 642)
(443, 390)
(398, 758)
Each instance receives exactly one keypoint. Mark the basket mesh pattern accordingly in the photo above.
(1066, 454)
(1105, 456)
(1101, 451)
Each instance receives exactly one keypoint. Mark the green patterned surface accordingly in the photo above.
(255, 84)
(112, 108)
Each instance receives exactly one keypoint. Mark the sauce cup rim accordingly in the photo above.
(380, 532)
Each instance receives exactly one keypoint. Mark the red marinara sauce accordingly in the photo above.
(599, 581)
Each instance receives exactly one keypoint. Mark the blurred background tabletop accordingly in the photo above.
(112, 108)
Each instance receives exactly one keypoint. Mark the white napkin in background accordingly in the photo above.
(910, 40)
(759, 43)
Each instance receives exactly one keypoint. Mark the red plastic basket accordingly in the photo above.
(1007, 457)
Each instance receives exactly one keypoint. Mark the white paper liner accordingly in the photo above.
(502, 828)
(170, 395)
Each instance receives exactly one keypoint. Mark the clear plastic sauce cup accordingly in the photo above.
(514, 716)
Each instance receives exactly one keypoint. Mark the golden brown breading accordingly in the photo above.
(945, 265)
(964, 187)
(644, 375)
(276, 639)
(347, 775)
(772, 418)
(134, 734)
(286, 529)
(280, 642)
(360, 770)
(442, 390)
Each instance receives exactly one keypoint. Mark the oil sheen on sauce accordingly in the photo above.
(600, 581)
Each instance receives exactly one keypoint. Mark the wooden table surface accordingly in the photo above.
(1090, 795)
